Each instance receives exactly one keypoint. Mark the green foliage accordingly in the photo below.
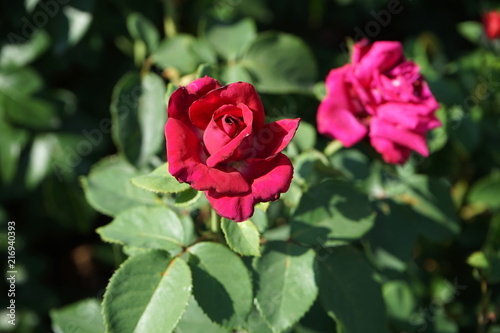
(159, 181)
(286, 287)
(85, 316)
(331, 213)
(138, 116)
(242, 237)
(108, 188)
(221, 284)
(268, 61)
(146, 227)
(183, 52)
(349, 292)
(485, 192)
(230, 40)
(142, 288)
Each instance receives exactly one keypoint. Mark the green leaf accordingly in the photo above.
(438, 137)
(183, 52)
(141, 29)
(146, 227)
(148, 293)
(259, 219)
(30, 112)
(29, 5)
(23, 81)
(471, 30)
(160, 181)
(40, 158)
(287, 288)
(229, 40)
(222, 285)
(486, 192)
(83, 317)
(431, 199)
(351, 162)
(349, 293)
(320, 90)
(79, 21)
(195, 320)
(12, 142)
(188, 197)
(393, 237)
(21, 54)
(399, 299)
(138, 116)
(331, 213)
(305, 138)
(269, 60)
(108, 188)
(235, 72)
(242, 237)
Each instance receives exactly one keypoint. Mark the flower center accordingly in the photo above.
(230, 124)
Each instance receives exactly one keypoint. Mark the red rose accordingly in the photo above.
(218, 143)
(380, 94)
(491, 23)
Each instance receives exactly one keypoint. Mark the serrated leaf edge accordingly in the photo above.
(231, 246)
(111, 280)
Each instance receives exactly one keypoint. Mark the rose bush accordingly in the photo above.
(491, 23)
(380, 94)
(218, 143)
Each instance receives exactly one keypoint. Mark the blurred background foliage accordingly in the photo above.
(65, 64)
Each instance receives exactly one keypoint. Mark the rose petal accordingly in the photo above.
(391, 152)
(236, 93)
(380, 57)
(184, 155)
(226, 152)
(274, 137)
(214, 136)
(268, 179)
(236, 208)
(339, 123)
(401, 136)
(404, 114)
(182, 98)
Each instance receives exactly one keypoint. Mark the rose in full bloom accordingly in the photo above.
(491, 23)
(380, 94)
(217, 142)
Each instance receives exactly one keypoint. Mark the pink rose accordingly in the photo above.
(381, 94)
(218, 143)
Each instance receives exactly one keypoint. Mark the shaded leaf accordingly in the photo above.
(275, 71)
(349, 293)
(330, 213)
(222, 285)
(138, 115)
(141, 29)
(195, 320)
(287, 288)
